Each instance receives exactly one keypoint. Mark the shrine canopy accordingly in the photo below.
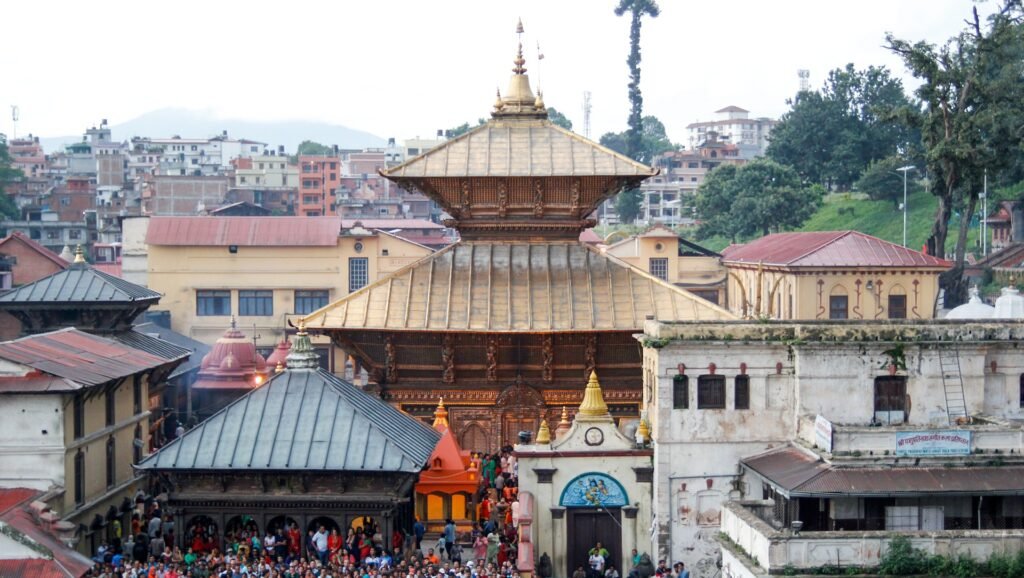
(450, 470)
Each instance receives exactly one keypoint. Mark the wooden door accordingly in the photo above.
(587, 527)
(516, 421)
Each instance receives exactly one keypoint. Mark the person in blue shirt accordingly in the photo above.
(418, 530)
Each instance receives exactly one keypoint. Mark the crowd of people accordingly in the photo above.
(488, 550)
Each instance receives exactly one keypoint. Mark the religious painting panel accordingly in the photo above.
(593, 490)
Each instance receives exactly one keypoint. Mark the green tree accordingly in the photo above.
(882, 182)
(559, 119)
(759, 197)
(830, 136)
(637, 9)
(457, 131)
(653, 142)
(971, 120)
(308, 147)
(8, 174)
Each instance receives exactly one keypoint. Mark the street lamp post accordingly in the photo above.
(904, 171)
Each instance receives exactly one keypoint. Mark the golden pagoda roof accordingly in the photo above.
(516, 287)
(507, 147)
(593, 405)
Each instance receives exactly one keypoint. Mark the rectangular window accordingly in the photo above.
(310, 301)
(111, 462)
(741, 392)
(78, 416)
(897, 307)
(890, 393)
(680, 392)
(711, 392)
(837, 307)
(659, 268)
(256, 303)
(111, 405)
(210, 302)
(79, 477)
(137, 394)
(358, 273)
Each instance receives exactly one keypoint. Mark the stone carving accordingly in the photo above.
(502, 199)
(492, 359)
(390, 361)
(448, 359)
(548, 354)
(590, 356)
(538, 198)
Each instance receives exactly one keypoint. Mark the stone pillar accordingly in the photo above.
(525, 555)
(629, 538)
(558, 538)
(546, 540)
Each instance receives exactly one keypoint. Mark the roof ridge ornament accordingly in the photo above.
(302, 355)
(519, 100)
(79, 254)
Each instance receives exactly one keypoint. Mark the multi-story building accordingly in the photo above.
(201, 156)
(27, 156)
(261, 270)
(815, 443)
(266, 171)
(169, 195)
(319, 179)
(733, 124)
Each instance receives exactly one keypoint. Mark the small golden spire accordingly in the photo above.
(544, 435)
(79, 254)
(643, 430)
(593, 400)
(499, 104)
(302, 327)
(564, 424)
(440, 415)
(279, 368)
(519, 61)
(539, 102)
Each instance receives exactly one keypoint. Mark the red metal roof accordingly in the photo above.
(244, 231)
(11, 497)
(80, 357)
(589, 237)
(108, 268)
(66, 563)
(830, 249)
(388, 224)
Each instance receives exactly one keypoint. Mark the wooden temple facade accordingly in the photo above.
(507, 324)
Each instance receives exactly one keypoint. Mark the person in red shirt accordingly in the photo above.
(294, 540)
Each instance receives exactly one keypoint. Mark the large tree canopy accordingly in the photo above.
(972, 121)
(653, 142)
(8, 174)
(830, 136)
(759, 197)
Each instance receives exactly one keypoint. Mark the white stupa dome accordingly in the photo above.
(1010, 304)
(975, 308)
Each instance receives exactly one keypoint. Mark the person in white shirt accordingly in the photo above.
(597, 563)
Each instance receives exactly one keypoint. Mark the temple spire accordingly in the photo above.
(302, 355)
(544, 434)
(79, 255)
(593, 405)
(440, 415)
(519, 100)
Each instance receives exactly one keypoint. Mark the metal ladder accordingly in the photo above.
(953, 385)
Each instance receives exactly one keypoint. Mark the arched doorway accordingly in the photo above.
(238, 534)
(325, 521)
(521, 407)
(201, 534)
(475, 439)
(593, 503)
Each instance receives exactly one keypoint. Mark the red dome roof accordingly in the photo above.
(280, 354)
(233, 357)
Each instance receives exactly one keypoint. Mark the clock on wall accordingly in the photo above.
(594, 436)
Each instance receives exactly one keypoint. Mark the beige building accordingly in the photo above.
(664, 254)
(260, 270)
(266, 171)
(831, 275)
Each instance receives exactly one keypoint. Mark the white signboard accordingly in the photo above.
(823, 433)
(933, 443)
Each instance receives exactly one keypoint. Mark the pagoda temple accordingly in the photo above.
(505, 323)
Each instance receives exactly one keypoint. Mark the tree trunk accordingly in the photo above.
(940, 228)
(955, 283)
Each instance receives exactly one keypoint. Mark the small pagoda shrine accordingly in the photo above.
(447, 488)
(504, 323)
(230, 370)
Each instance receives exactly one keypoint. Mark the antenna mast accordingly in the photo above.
(805, 79)
(586, 114)
(15, 113)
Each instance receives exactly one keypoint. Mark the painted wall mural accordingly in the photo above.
(594, 490)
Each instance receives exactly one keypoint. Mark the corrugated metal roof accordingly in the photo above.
(66, 562)
(798, 474)
(78, 356)
(504, 286)
(829, 249)
(244, 231)
(302, 420)
(535, 148)
(79, 283)
(390, 224)
(37, 384)
(155, 345)
(198, 349)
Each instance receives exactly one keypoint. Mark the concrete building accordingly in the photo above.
(664, 254)
(831, 275)
(27, 156)
(266, 171)
(733, 124)
(201, 156)
(263, 270)
(167, 195)
(319, 179)
(846, 427)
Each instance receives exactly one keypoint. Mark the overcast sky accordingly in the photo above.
(405, 68)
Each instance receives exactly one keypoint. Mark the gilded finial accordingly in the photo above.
(564, 424)
(499, 104)
(519, 26)
(440, 415)
(79, 254)
(643, 430)
(234, 324)
(538, 103)
(593, 400)
(519, 61)
(279, 368)
(544, 435)
(302, 327)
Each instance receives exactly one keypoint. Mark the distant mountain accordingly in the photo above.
(168, 122)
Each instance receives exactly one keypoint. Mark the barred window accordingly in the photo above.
(711, 392)
(659, 268)
(210, 302)
(680, 392)
(741, 391)
(255, 303)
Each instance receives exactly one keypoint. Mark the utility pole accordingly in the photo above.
(904, 170)
(984, 217)
(15, 114)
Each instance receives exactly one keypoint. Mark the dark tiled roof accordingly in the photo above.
(198, 349)
(79, 357)
(150, 344)
(79, 283)
(302, 420)
(829, 249)
(787, 467)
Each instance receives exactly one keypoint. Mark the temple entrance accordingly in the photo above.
(587, 527)
(520, 407)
